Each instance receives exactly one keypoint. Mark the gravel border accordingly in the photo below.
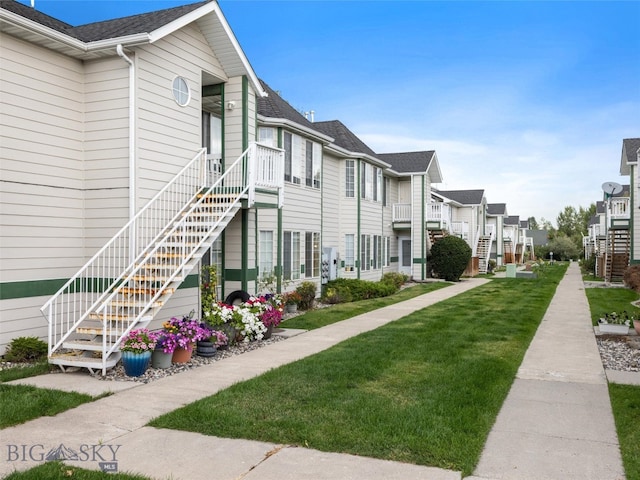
(619, 352)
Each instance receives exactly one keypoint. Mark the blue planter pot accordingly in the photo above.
(135, 364)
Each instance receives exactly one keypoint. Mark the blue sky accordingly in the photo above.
(528, 100)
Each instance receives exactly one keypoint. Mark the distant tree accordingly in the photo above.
(533, 224)
(564, 248)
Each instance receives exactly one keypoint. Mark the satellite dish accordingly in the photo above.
(611, 188)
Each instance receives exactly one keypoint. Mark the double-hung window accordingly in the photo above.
(312, 254)
(291, 255)
(349, 252)
(265, 254)
(350, 179)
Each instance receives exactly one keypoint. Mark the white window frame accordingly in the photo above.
(181, 91)
(350, 179)
(349, 252)
(265, 253)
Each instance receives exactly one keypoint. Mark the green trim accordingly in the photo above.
(394, 259)
(419, 261)
(631, 215)
(48, 288)
(31, 288)
(211, 90)
(265, 205)
(256, 236)
(279, 242)
(245, 113)
(244, 261)
(423, 217)
(358, 221)
(222, 121)
(240, 275)
(267, 191)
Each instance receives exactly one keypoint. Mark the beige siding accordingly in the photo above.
(41, 133)
(168, 134)
(21, 317)
(332, 190)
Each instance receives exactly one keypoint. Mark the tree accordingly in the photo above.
(533, 224)
(564, 248)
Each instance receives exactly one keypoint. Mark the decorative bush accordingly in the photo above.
(450, 256)
(307, 292)
(631, 277)
(396, 278)
(26, 349)
(353, 289)
(588, 265)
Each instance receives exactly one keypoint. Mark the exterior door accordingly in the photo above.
(405, 254)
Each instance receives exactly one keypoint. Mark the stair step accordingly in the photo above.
(93, 344)
(156, 278)
(84, 360)
(133, 303)
(144, 291)
(116, 317)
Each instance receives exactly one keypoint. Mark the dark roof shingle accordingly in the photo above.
(115, 28)
(343, 137)
(274, 106)
(407, 162)
(464, 197)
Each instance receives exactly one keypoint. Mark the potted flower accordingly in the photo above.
(614, 323)
(291, 300)
(161, 357)
(182, 334)
(137, 347)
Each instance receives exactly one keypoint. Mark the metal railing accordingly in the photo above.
(172, 226)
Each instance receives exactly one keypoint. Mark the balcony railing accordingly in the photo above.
(619, 207)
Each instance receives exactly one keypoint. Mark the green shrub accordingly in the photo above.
(450, 257)
(26, 349)
(395, 278)
(353, 289)
(307, 292)
(588, 265)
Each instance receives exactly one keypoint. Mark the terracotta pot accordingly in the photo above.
(182, 355)
(636, 326)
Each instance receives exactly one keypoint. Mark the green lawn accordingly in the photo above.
(425, 389)
(60, 471)
(625, 401)
(325, 316)
(607, 300)
(20, 403)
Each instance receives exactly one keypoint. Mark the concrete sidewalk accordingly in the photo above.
(557, 422)
(112, 430)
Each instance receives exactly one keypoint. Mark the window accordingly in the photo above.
(365, 252)
(265, 253)
(385, 191)
(349, 259)
(298, 157)
(288, 152)
(309, 163)
(291, 255)
(350, 179)
(312, 258)
(370, 182)
(387, 251)
(267, 136)
(181, 91)
(317, 164)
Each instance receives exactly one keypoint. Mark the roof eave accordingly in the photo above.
(436, 176)
(283, 122)
(63, 38)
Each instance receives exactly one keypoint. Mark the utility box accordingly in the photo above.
(511, 270)
(329, 264)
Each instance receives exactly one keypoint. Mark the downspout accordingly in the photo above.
(132, 149)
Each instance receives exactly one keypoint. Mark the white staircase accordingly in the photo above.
(484, 242)
(130, 279)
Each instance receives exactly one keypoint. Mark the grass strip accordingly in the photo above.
(20, 403)
(607, 300)
(60, 471)
(425, 389)
(24, 371)
(625, 401)
(325, 316)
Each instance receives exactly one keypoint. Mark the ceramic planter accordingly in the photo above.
(135, 364)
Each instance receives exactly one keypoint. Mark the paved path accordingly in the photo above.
(557, 422)
(113, 428)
